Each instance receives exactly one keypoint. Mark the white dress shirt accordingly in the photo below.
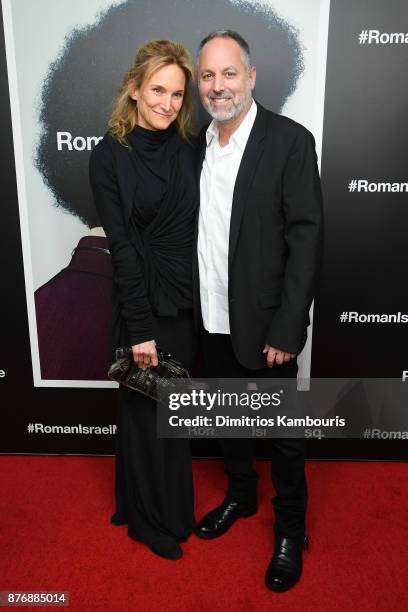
(218, 175)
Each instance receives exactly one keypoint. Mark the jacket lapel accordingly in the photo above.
(249, 162)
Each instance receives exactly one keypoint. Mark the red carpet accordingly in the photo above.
(55, 535)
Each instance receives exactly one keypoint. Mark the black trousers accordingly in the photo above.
(287, 464)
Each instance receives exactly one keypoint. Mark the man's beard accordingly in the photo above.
(223, 115)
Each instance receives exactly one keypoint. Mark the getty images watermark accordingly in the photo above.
(254, 401)
(273, 408)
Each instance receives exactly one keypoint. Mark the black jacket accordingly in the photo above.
(275, 238)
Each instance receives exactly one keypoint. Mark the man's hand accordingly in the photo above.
(145, 354)
(277, 356)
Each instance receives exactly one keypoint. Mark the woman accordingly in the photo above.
(142, 177)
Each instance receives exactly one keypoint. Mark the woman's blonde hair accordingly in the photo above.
(151, 57)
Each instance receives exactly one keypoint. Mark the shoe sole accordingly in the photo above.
(281, 589)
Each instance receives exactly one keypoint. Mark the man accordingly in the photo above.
(258, 248)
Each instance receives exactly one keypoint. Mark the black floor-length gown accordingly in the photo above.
(151, 255)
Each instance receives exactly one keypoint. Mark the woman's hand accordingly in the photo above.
(145, 354)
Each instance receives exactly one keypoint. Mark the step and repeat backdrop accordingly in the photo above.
(335, 66)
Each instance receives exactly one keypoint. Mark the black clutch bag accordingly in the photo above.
(151, 381)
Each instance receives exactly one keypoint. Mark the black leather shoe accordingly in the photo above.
(285, 568)
(218, 521)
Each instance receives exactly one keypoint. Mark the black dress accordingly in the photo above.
(152, 184)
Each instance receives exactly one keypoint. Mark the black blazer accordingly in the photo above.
(275, 238)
